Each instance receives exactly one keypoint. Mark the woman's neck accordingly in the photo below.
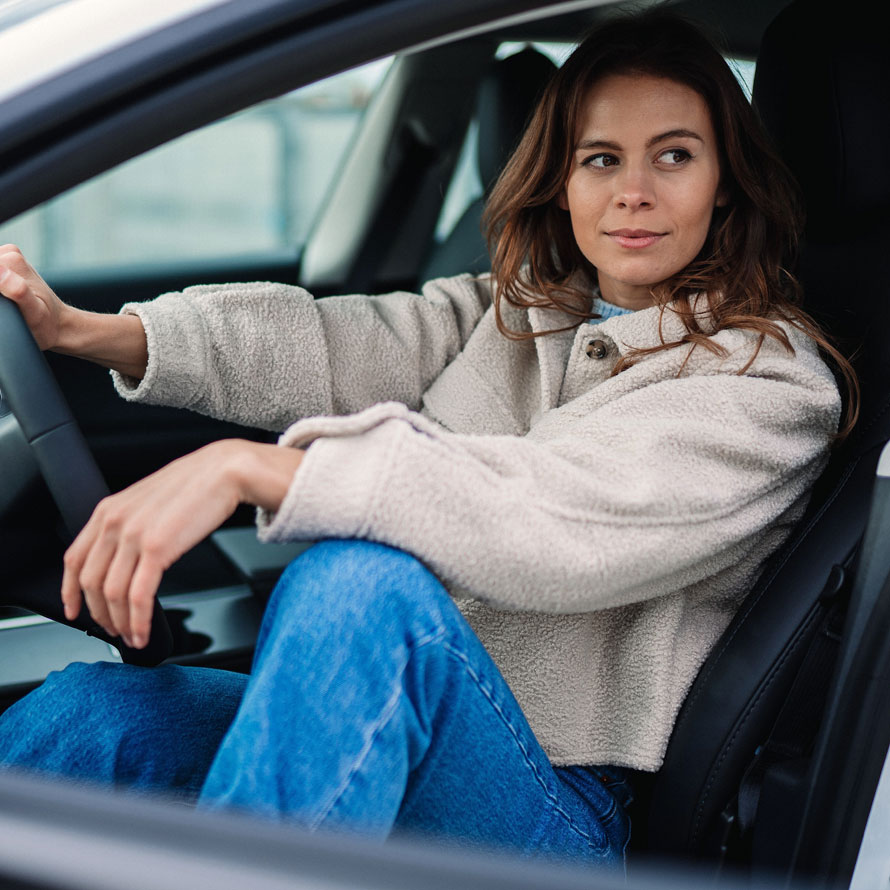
(627, 296)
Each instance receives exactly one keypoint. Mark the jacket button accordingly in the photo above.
(596, 349)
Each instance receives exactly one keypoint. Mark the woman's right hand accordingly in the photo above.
(113, 341)
(43, 311)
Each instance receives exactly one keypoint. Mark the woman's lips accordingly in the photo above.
(635, 238)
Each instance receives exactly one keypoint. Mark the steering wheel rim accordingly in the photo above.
(66, 463)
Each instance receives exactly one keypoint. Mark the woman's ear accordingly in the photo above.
(562, 200)
(722, 198)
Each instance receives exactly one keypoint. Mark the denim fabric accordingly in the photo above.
(371, 707)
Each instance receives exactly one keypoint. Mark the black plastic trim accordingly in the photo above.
(853, 746)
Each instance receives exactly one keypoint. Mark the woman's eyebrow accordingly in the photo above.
(586, 144)
(674, 134)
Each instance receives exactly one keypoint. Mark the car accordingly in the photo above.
(340, 145)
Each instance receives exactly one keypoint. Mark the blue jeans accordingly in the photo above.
(371, 707)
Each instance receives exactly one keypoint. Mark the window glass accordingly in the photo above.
(248, 186)
(557, 52)
(744, 72)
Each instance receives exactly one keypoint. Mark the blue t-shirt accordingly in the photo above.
(607, 310)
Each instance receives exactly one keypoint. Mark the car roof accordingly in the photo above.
(42, 39)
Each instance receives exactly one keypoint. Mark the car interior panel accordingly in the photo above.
(752, 751)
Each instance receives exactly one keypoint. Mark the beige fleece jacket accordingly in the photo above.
(597, 531)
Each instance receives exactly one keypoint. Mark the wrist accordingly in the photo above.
(113, 341)
(73, 328)
(261, 473)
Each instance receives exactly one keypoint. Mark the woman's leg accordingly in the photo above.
(372, 706)
(148, 728)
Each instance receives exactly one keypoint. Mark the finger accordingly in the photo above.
(11, 258)
(99, 612)
(116, 587)
(146, 580)
(72, 598)
(97, 605)
(13, 285)
(92, 552)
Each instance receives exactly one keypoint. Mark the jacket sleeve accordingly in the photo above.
(267, 354)
(653, 492)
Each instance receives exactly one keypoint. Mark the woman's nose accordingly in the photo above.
(634, 188)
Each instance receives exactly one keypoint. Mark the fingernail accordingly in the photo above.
(138, 641)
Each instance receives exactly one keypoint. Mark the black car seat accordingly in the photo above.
(823, 89)
(507, 97)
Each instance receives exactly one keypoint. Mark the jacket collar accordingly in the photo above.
(640, 329)
(553, 350)
(637, 330)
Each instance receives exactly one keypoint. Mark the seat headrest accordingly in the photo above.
(822, 87)
(507, 97)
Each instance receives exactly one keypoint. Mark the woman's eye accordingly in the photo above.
(601, 160)
(673, 157)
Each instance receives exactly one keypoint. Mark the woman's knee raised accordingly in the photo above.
(63, 711)
(77, 691)
(357, 580)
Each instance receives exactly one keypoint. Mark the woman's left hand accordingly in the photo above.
(134, 536)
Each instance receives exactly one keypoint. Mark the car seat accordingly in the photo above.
(823, 90)
(507, 97)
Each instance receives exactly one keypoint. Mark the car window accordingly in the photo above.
(744, 72)
(466, 186)
(248, 186)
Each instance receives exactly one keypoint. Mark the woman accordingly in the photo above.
(593, 451)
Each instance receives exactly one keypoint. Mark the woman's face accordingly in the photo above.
(644, 182)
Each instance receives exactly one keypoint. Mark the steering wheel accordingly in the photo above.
(68, 467)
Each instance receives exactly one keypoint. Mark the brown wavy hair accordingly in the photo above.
(743, 269)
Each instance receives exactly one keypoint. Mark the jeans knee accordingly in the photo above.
(356, 581)
(77, 687)
(65, 704)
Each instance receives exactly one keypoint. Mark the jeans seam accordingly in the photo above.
(609, 817)
(554, 801)
(384, 718)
